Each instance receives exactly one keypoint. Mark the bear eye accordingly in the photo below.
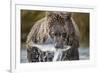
(58, 34)
(63, 34)
(55, 34)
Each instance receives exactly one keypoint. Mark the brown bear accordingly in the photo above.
(59, 29)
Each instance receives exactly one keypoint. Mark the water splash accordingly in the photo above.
(50, 47)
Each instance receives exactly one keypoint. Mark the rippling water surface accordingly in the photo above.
(83, 53)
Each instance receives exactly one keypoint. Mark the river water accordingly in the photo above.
(83, 54)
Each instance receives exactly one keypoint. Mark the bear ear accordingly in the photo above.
(49, 13)
(68, 15)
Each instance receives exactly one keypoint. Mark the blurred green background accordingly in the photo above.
(29, 17)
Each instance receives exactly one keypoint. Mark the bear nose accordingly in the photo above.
(58, 46)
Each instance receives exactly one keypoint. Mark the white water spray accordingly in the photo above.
(50, 47)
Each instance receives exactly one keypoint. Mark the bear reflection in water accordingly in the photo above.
(36, 55)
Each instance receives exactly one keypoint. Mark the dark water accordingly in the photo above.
(83, 53)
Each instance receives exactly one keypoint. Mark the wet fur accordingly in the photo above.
(41, 33)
